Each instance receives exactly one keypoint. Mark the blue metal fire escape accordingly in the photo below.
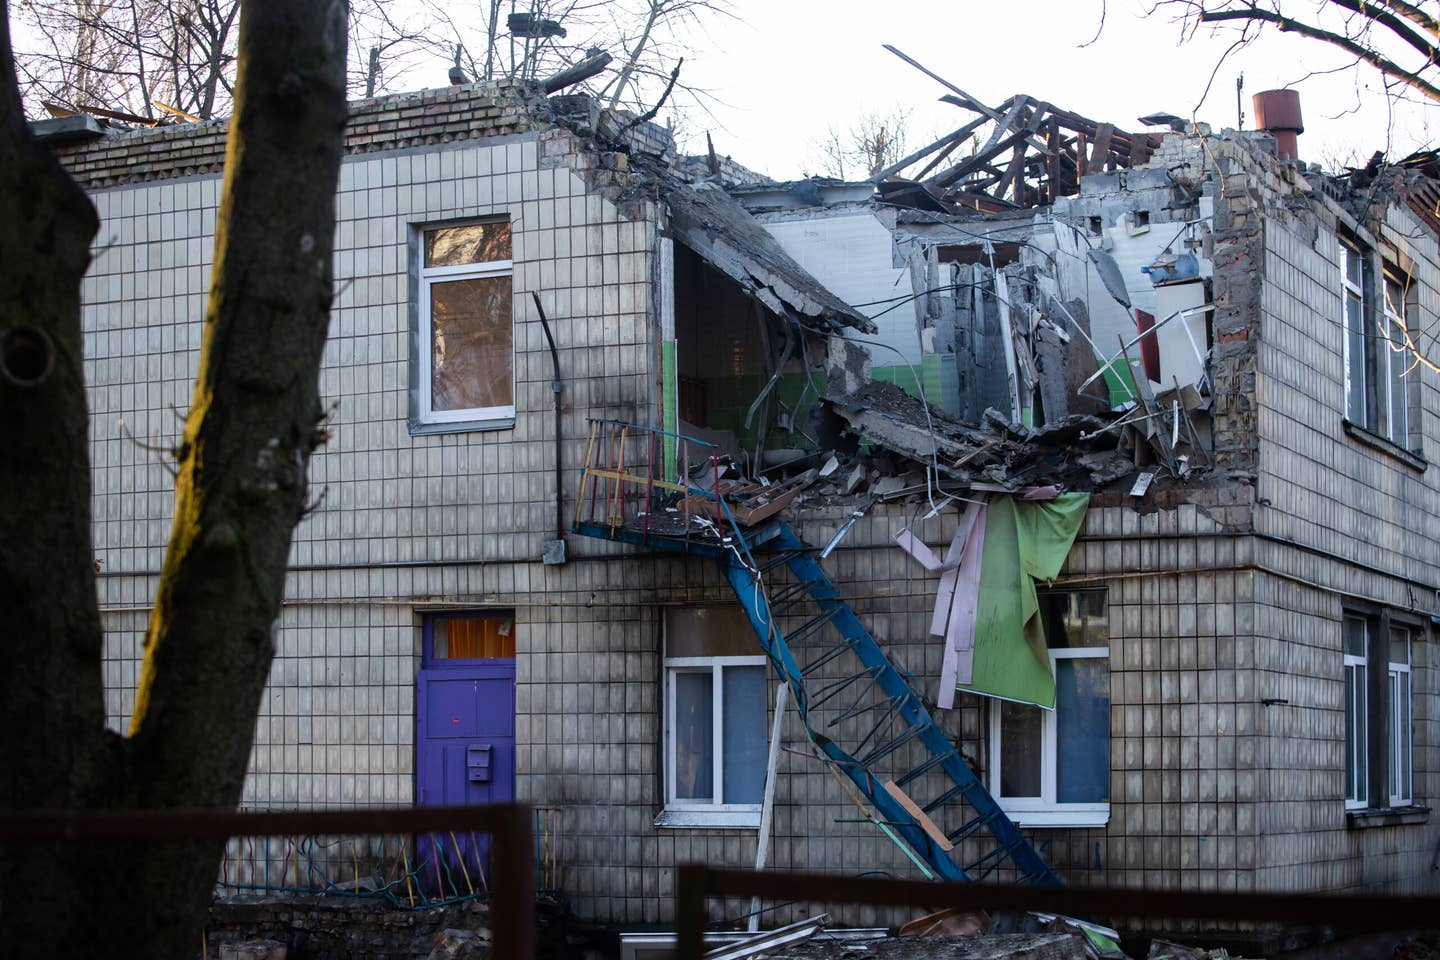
(860, 711)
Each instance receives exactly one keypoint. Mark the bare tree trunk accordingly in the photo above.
(51, 699)
(240, 492)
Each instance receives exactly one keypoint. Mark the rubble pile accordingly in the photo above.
(1079, 452)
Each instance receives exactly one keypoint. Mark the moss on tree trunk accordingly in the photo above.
(241, 489)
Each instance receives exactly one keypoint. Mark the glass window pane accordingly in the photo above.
(1400, 718)
(474, 638)
(694, 736)
(1406, 750)
(744, 736)
(1355, 369)
(471, 343)
(1353, 636)
(1399, 646)
(709, 631)
(470, 243)
(1355, 754)
(1020, 761)
(1353, 264)
(1082, 723)
(1076, 619)
(1392, 364)
(1395, 735)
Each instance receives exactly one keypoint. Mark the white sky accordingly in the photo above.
(786, 70)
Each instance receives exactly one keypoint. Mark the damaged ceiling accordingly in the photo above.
(1076, 453)
(714, 225)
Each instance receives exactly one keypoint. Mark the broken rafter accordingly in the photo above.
(950, 141)
(1014, 173)
(968, 101)
(1049, 150)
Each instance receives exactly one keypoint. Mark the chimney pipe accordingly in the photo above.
(1277, 112)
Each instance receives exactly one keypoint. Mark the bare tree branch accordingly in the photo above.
(1361, 52)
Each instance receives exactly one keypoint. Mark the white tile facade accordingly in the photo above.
(1211, 788)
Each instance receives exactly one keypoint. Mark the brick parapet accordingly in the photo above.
(381, 123)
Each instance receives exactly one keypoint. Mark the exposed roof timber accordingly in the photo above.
(1033, 153)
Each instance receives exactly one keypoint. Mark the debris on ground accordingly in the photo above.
(951, 921)
(1165, 950)
(461, 945)
(986, 946)
(254, 950)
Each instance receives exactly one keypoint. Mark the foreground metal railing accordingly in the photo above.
(512, 854)
(695, 883)
(410, 872)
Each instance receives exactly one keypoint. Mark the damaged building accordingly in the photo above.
(1069, 507)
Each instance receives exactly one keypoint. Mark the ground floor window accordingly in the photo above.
(1052, 767)
(1379, 710)
(715, 718)
(1356, 641)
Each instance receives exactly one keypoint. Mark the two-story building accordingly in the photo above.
(1242, 654)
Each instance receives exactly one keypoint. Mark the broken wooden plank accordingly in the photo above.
(950, 141)
(974, 163)
(938, 159)
(1010, 122)
(969, 101)
(1014, 173)
(932, 830)
(1100, 152)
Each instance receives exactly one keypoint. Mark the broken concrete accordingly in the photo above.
(996, 946)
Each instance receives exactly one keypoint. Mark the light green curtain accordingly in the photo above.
(1025, 541)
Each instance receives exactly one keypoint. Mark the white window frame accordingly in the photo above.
(1380, 369)
(1044, 810)
(478, 416)
(1391, 359)
(1357, 703)
(688, 812)
(1401, 712)
(1349, 251)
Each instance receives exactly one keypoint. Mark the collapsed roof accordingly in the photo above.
(714, 225)
(1033, 152)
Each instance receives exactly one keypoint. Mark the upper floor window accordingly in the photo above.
(1377, 366)
(1401, 309)
(1052, 767)
(465, 357)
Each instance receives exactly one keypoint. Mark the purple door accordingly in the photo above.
(464, 737)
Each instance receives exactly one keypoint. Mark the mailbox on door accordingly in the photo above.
(477, 763)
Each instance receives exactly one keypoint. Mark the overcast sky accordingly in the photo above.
(784, 71)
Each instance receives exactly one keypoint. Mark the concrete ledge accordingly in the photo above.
(708, 820)
(1385, 817)
(460, 426)
(1385, 445)
(81, 128)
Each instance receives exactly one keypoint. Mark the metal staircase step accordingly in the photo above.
(877, 689)
(880, 696)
